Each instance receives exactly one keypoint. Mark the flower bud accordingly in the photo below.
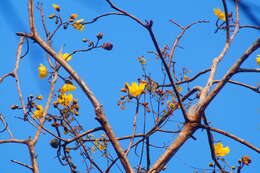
(51, 16)
(14, 106)
(107, 46)
(99, 35)
(56, 7)
(54, 143)
(73, 16)
(246, 160)
(39, 97)
(84, 40)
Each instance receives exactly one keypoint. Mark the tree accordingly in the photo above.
(171, 105)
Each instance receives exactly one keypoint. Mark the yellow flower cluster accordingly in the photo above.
(135, 89)
(67, 87)
(220, 150)
(38, 113)
(78, 25)
(219, 14)
(65, 99)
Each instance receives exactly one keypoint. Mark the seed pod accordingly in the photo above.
(54, 143)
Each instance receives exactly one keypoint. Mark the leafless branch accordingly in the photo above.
(211, 144)
(255, 89)
(100, 16)
(23, 164)
(189, 80)
(242, 141)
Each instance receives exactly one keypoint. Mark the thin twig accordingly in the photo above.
(187, 81)
(242, 26)
(134, 128)
(100, 16)
(178, 38)
(255, 89)
(23, 164)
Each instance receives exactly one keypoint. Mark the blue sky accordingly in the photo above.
(235, 109)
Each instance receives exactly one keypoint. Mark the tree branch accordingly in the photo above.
(242, 141)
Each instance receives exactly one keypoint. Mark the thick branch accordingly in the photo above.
(184, 135)
(231, 72)
(217, 60)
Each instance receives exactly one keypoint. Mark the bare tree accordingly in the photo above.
(160, 99)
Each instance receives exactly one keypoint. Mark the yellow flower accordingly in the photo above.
(219, 14)
(78, 25)
(65, 100)
(38, 113)
(257, 59)
(67, 88)
(42, 71)
(135, 89)
(56, 7)
(66, 56)
(220, 150)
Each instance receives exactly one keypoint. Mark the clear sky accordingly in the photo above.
(235, 110)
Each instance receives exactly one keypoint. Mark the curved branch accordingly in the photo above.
(242, 141)
(125, 13)
(100, 16)
(255, 89)
(176, 42)
(189, 80)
